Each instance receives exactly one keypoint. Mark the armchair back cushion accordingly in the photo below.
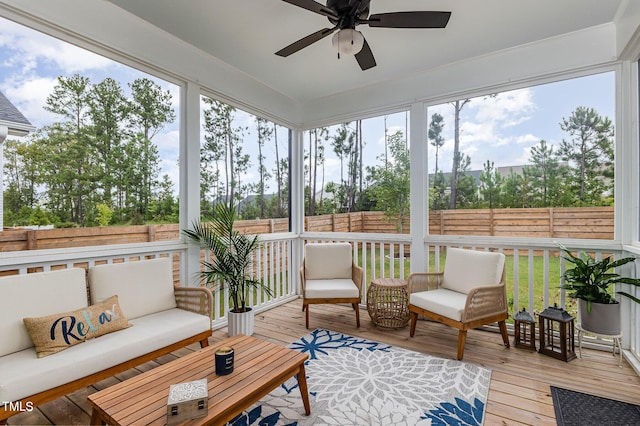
(46, 292)
(466, 269)
(143, 287)
(327, 261)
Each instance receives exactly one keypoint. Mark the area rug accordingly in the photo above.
(354, 381)
(581, 409)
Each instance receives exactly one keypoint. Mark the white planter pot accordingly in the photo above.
(241, 322)
(604, 318)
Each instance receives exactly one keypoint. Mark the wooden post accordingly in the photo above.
(491, 222)
(552, 231)
(151, 230)
(333, 222)
(272, 226)
(32, 240)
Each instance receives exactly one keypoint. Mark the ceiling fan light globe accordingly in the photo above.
(348, 41)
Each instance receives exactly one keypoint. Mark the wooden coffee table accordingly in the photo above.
(259, 367)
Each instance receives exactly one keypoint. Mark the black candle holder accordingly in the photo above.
(224, 361)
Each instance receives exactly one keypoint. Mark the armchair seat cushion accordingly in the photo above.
(448, 303)
(331, 289)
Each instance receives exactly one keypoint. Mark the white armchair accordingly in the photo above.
(469, 293)
(329, 275)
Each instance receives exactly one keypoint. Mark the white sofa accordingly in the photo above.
(163, 317)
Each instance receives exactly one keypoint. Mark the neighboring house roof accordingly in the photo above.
(13, 119)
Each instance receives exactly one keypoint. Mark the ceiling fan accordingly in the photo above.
(345, 15)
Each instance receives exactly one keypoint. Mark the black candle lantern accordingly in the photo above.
(557, 332)
(525, 330)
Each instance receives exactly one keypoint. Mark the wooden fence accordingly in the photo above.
(585, 222)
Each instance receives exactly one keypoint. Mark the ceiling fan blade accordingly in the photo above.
(365, 57)
(426, 19)
(313, 7)
(304, 42)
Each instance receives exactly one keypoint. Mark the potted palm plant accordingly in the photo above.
(232, 255)
(588, 282)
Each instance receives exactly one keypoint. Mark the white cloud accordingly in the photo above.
(32, 48)
(527, 139)
(29, 95)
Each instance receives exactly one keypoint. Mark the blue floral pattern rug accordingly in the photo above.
(354, 381)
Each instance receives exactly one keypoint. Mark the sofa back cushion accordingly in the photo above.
(327, 261)
(466, 269)
(143, 287)
(37, 294)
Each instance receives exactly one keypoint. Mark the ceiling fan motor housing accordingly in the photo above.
(343, 9)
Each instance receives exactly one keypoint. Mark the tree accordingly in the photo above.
(108, 109)
(544, 172)
(457, 107)
(435, 135)
(589, 150)
(491, 185)
(516, 190)
(69, 169)
(390, 181)
(316, 157)
(342, 143)
(151, 110)
(438, 192)
(467, 187)
(264, 136)
(223, 149)
(21, 175)
(437, 140)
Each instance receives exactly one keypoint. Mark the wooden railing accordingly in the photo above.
(534, 268)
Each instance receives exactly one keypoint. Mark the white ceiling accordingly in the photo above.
(245, 34)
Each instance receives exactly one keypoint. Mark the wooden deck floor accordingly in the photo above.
(519, 392)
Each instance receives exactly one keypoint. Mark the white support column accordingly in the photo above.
(418, 187)
(626, 154)
(627, 188)
(190, 175)
(296, 189)
(4, 132)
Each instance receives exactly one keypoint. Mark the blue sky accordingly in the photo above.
(501, 129)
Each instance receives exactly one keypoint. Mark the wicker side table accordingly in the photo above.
(388, 302)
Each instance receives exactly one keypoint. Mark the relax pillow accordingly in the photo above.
(54, 333)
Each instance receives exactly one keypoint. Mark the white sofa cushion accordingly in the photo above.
(23, 374)
(444, 302)
(143, 287)
(330, 289)
(466, 269)
(327, 261)
(36, 294)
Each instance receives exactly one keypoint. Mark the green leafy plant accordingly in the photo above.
(232, 255)
(589, 279)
